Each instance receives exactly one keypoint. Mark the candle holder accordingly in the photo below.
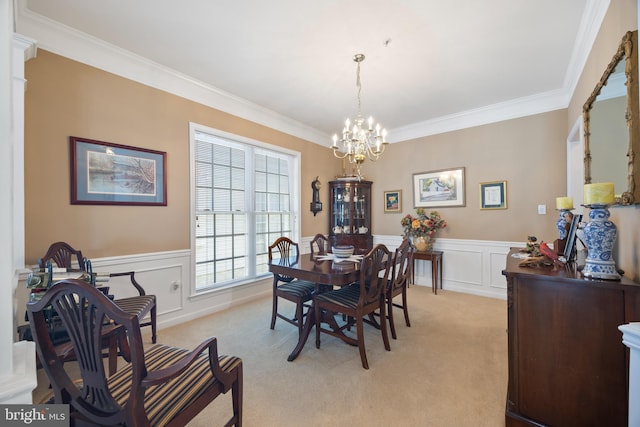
(600, 235)
(563, 221)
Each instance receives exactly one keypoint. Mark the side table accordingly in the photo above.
(436, 267)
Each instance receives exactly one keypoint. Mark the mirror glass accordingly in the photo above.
(610, 124)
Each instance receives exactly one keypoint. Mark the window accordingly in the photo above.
(245, 197)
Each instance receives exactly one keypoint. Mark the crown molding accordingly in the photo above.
(71, 43)
(592, 18)
(521, 107)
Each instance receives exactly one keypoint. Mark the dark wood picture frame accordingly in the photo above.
(104, 173)
(493, 195)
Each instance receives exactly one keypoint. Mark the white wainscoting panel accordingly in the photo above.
(475, 266)
(167, 276)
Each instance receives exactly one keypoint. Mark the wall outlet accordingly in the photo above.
(542, 209)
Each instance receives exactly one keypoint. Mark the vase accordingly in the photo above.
(562, 223)
(600, 235)
(423, 243)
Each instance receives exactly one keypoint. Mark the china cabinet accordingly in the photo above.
(350, 215)
(567, 363)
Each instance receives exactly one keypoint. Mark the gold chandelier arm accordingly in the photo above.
(339, 154)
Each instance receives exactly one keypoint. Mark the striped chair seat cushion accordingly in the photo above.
(346, 296)
(299, 288)
(165, 401)
(139, 305)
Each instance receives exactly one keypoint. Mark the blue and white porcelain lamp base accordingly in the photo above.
(600, 235)
(562, 222)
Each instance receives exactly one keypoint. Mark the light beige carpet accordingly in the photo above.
(448, 369)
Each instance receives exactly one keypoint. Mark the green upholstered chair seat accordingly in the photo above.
(346, 296)
(299, 288)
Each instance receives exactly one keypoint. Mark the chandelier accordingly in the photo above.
(360, 140)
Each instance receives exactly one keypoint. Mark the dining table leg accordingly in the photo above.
(310, 320)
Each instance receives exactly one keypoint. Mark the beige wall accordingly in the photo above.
(67, 98)
(528, 153)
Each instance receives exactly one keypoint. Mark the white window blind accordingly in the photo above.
(242, 204)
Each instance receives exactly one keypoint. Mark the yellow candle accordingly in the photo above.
(601, 193)
(564, 203)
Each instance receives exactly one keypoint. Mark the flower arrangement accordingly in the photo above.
(423, 224)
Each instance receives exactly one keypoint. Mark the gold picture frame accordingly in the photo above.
(393, 201)
(440, 188)
(493, 195)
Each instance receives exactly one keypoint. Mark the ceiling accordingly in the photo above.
(430, 66)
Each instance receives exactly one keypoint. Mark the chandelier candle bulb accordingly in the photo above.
(601, 193)
(564, 203)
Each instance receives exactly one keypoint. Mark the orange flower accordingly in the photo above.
(423, 224)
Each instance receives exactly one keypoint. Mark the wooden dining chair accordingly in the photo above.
(163, 386)
(63, 255)
(398, 282)
(142, 305)
(297, 291)
(356, 301)
(319, 244)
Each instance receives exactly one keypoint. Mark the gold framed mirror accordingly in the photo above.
(611, 125)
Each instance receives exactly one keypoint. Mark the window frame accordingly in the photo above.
(294, 182)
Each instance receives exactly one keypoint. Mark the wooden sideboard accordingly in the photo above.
(567, 363)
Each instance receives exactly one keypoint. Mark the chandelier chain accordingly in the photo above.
(359, 85)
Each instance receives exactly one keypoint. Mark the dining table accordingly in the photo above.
(323, 270)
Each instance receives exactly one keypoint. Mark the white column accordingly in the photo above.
(17, 363)
(631, 338)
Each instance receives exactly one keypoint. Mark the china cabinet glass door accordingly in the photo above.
(350, 216)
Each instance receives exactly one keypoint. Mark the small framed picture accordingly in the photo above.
(393, 201)
(493, 195)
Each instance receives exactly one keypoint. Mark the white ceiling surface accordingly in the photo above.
(448, 64)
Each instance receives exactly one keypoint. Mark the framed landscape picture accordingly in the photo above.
(103, 173)
(439, 188)
(393, 201)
